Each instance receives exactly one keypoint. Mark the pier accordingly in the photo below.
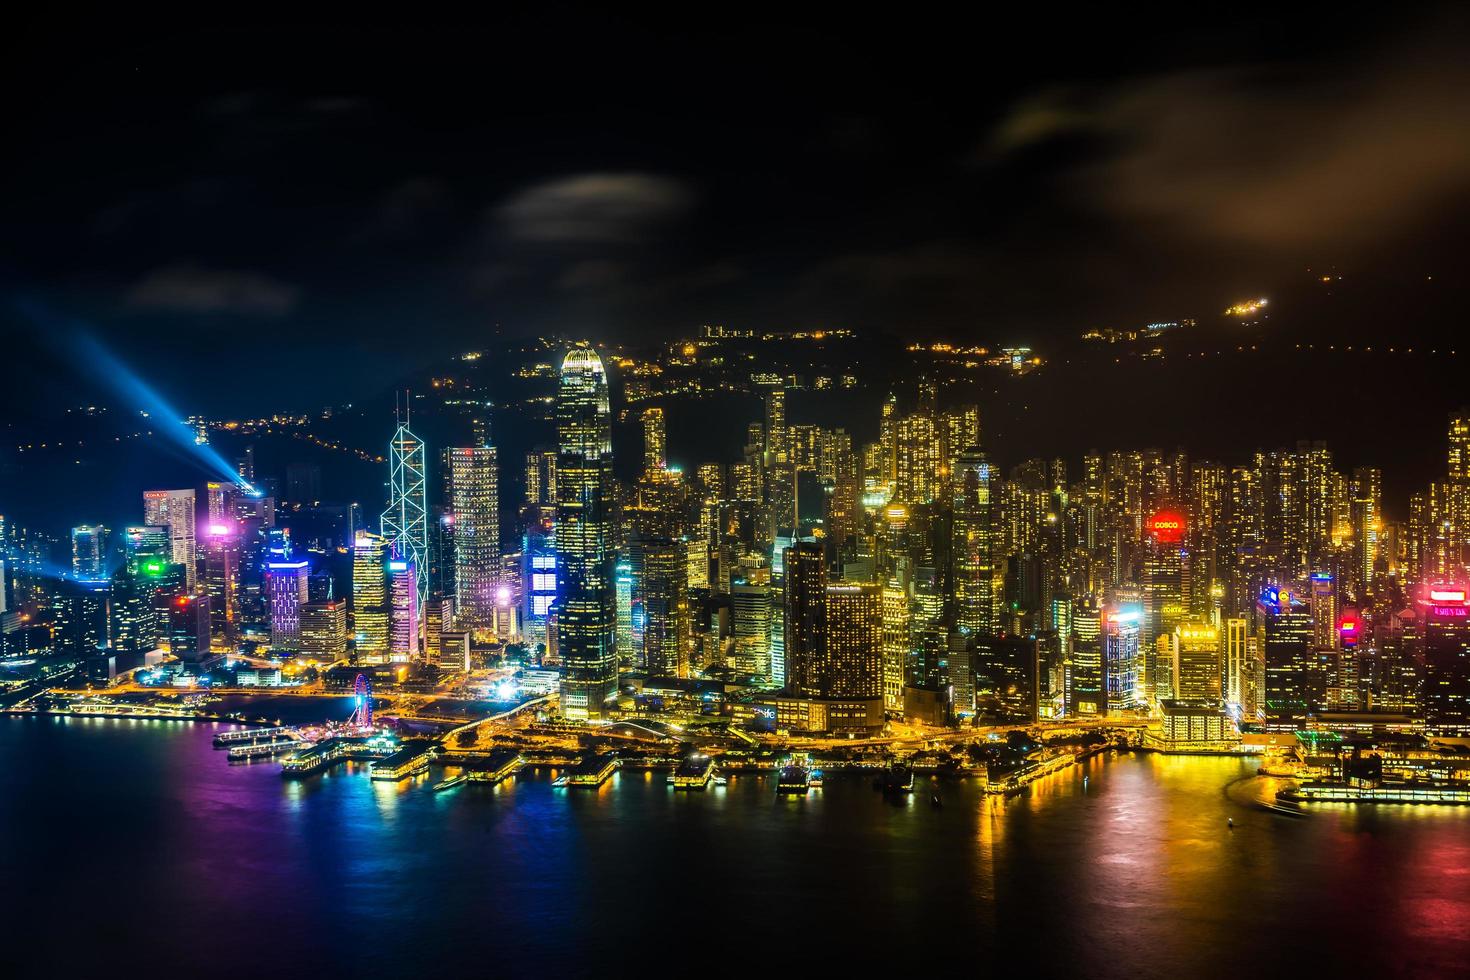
(501, 766)
(410, 760)
(328, 752)
(592, 771)
(247, 736)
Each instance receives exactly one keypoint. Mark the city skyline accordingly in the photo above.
(589, 491)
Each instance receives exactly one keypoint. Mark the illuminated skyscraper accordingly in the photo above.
(1197, 663)
(188, 628)
(141, 542)
(897, 621)
(776, 434)
(221, 546)
(623, 602)
(405, 619)
(660, 588)
(324, 630)
(472, 475)
(586, 640)
(1164, 587)
(174, 509)
(370, 597)
(805, 577)
(89, 552)
(405, 524)
(751, 612)
(1446, 695)
(82, 617)
(655, 441)
(135, 628)
(974, 563)
(286, 591)
(852, 658)
(1367, 527)
(1235, 665)
(1294, 685)
(1122, 659)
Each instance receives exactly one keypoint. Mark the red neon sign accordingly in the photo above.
(1167, 526)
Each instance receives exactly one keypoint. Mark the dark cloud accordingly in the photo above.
(594, 209)
(192, 289)
(1270, 155)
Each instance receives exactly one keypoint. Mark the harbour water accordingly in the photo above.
(133, 845)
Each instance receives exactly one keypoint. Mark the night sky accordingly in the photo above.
(373, 194)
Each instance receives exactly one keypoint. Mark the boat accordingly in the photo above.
(694, 773)
(451, 782)
(898, 779)
(793, 779)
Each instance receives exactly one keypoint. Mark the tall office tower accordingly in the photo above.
(141, 542)
(245, 465)
(1197, 663)
(655, 441)
(897, 623)
(538, 580)
(324, 630)
(628, 655)
(134, 619)
(1123, 675)
(918, 459)
(1459, 446)
(1366, 491)
(406, 521)
(1235, 666)
(188, 628)
(370, 598)
(852, 661)
(1086, 693)
(883, 474)
(1322, 604)
(586, 640)
(804, 626)
(1445, 698)
(438, 617)
(805, 447)
(1316, 505)
(221, 545)
(974, 562)
(405, 609)
(82, 612)
(1164, 585)
(781, 504)
(660, 586)
(779, 676)
(750, 607)
(1207, 499)
(961, 431)
(696, 560)
(219, 500)
(541, 477)
(174, 509)
(1295, 687)
(776, 435)
(472, 478)
(89, 552)
(286, 591)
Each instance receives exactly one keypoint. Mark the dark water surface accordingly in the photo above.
(132, 846)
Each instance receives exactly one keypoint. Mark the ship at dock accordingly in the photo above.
(797, 778)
